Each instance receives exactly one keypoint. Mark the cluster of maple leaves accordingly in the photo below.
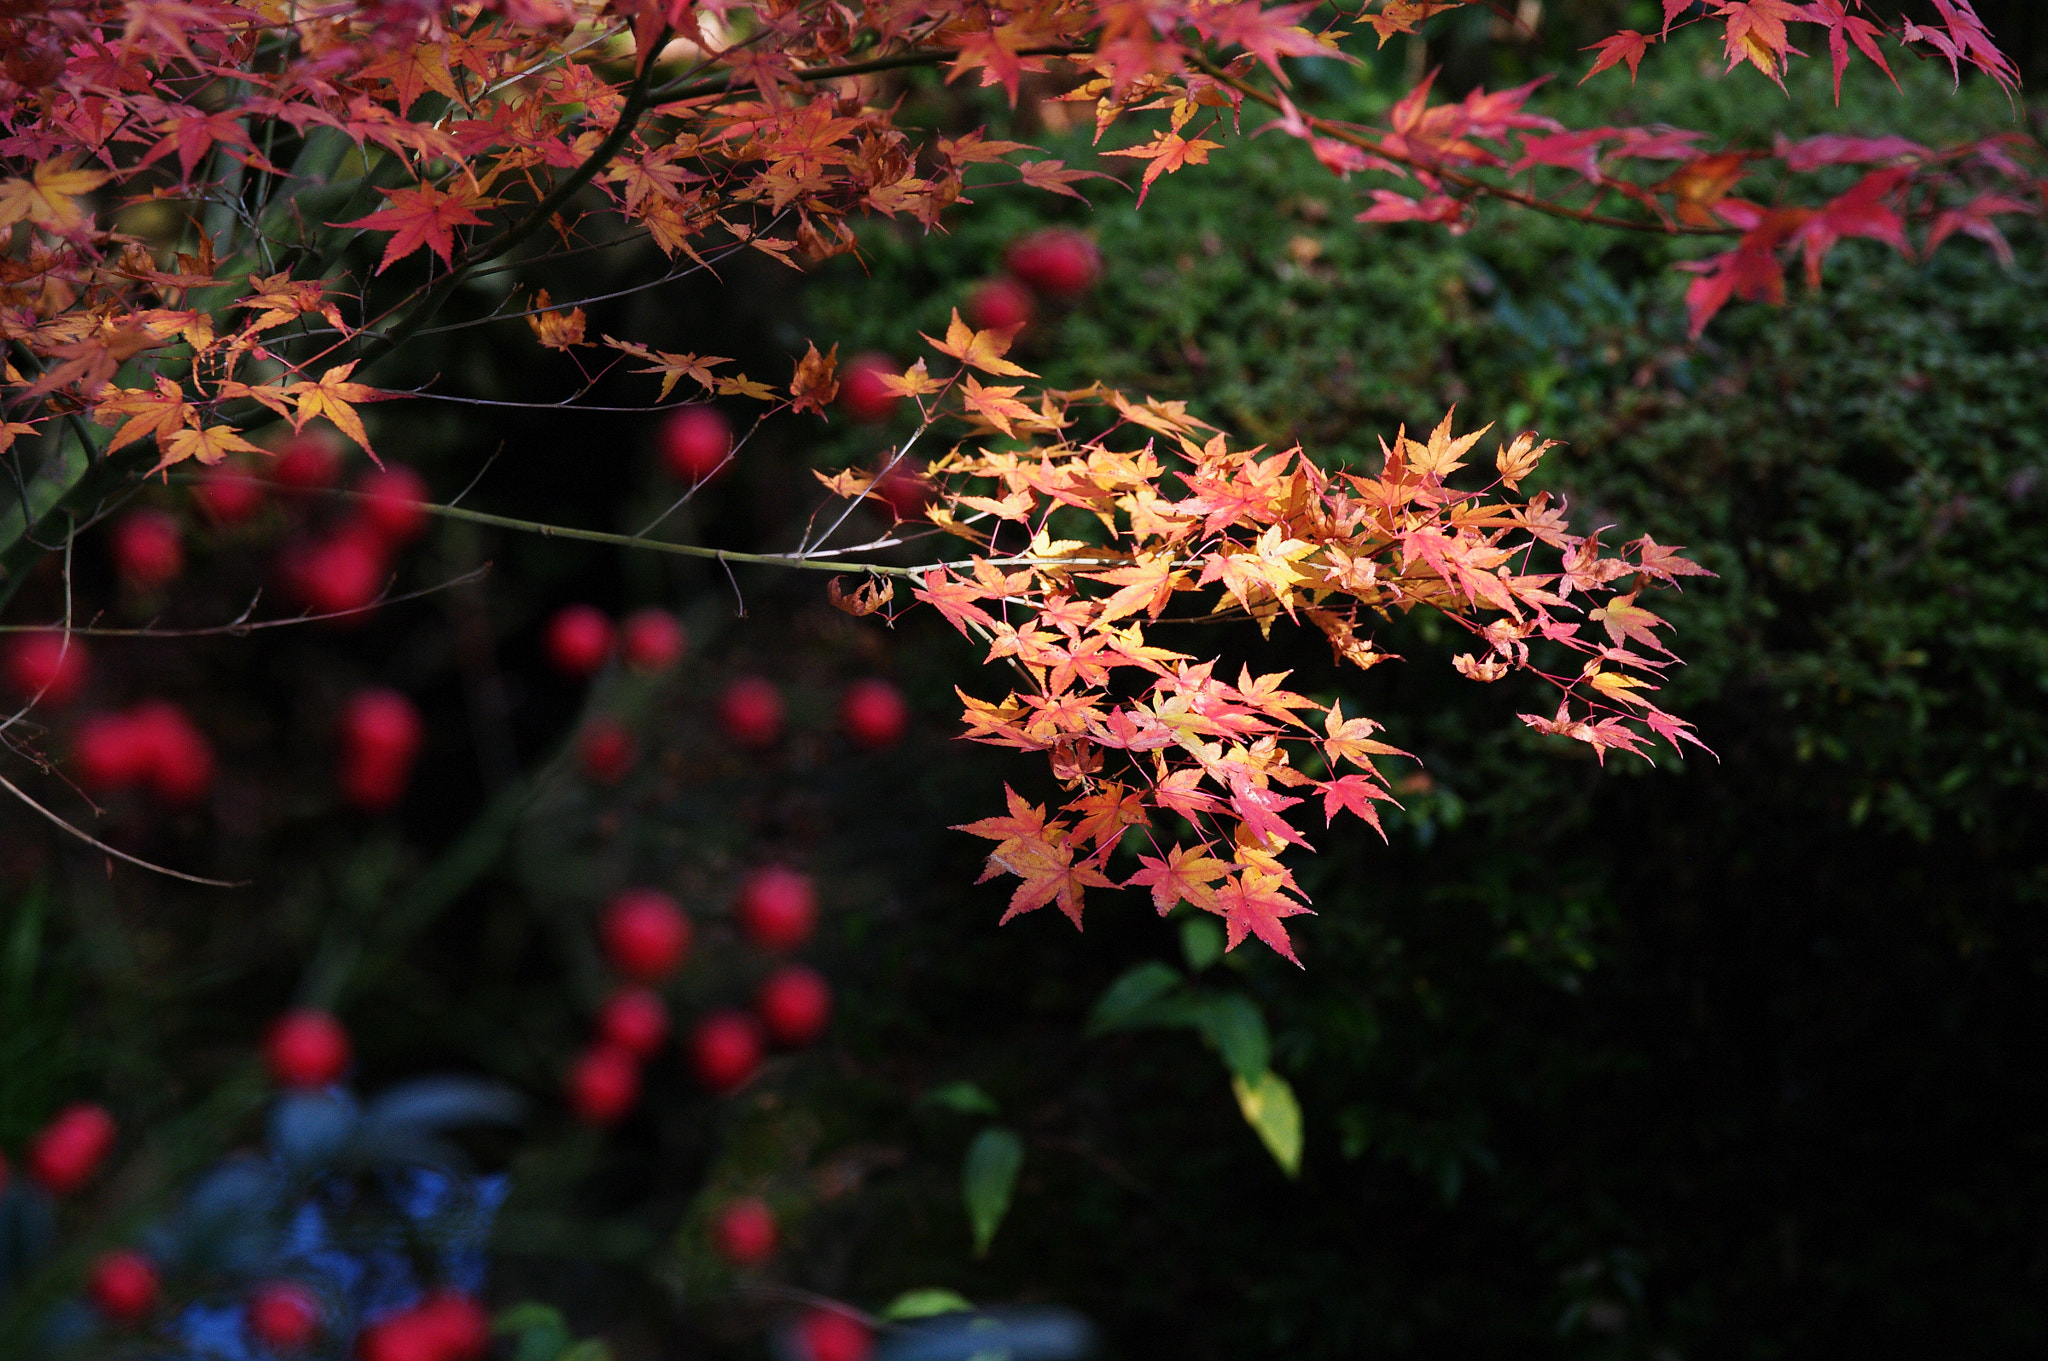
(335, 172)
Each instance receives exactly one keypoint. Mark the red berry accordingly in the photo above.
(794, 1004)
(338, 574)
(108, 753)
(177, 759)
(999, 305)
(828, 1335)
(646, 936)
(861, 390)
(283, 1316)
(695, 442)
(306, 1049)
(381, 732)
(606, 751)
(227, 493)
(147, 551)
(744, 1232)
(1056, 260)
(46, 663)
(309, 461)
(71, 1147)
(394, 503)
(725, 1049)
(579, 639)
(904, 492)
(635, 1020)
(652, 640)
(403, 1336)
(460, 1328)
(604, 1084)
(123, 1286)
(751, 711)
(874, 714)
(778, 908)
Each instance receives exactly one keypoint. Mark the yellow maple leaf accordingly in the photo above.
(983, 350)
(49, 199)
(334, 397)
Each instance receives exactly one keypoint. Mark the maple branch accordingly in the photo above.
(1472, 183)
(98, 845)
(929, 56)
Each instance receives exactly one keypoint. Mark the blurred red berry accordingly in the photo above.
(695, 442)
(307, 1048)
(751, 711)
(605, 750)
(778, 908)
(579, 639)
(725, 1049)
(177, 758)
(381, 732)
(47, 663)
(862, 393)
(108, 753)
(64, 1156)
(904, 492)
(123, 1286)
(1057, 260)
(635, 1020)
(337, 574)
(308, 461)
(283, 1317)
(394, 503)
(999, 304)
(828, 1335)
(873, 714)
(458, 1324)
(744, 1232)
(646, 935)
(604, 1084)
(228, 493)
(147, 549)
(652, 640)
(794, 1004)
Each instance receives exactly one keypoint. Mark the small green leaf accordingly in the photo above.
(1270, 1109)
(987, 1178)
(526, 1318)
(1231, 1021)
(1201, 940)
(1124, 1003)
(590, 1349)
(926, 1303)
(963, 1096)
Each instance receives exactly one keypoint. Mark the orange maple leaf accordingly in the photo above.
(334, 397)
(983, 350)
(1252, 904)
(1183, 875)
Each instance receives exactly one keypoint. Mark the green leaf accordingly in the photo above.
(1231, 1021)
(1201, 940)
(925, 1303)
(526, 1318)
(1270, 1109)
(962, 1096)
(987, 1178)
(1127, 1002)
(590, 1349)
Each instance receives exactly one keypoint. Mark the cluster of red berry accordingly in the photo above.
(1057, 262)
(580, 640)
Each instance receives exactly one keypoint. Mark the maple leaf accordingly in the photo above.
(1862, 211)
(1756, 34)
(151, 414)
(1251, 903)
(423, 215)
(1055, 177)
(334, 397)
(814, 387)
(1443, 455)
(983, 350)
(1388, 206)
(868, 597)
(1107, 813)
(996, 405)
(914, 381)
(1627, 45)
(555, 329)
(1183, 876)
(1662, 561)
(672, 366)
(1168, 151)
(1351, 739)
(954, 599)
(1354, 794)
(1148, 585)
(208, 445)
(1974, 219)
(1624, 619)
(1259, 810)
(1516, 461)
(49, 197)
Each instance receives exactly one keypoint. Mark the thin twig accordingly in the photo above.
(99, 845)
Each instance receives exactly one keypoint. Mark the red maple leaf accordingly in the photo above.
(1252, 904)
(423, 215)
